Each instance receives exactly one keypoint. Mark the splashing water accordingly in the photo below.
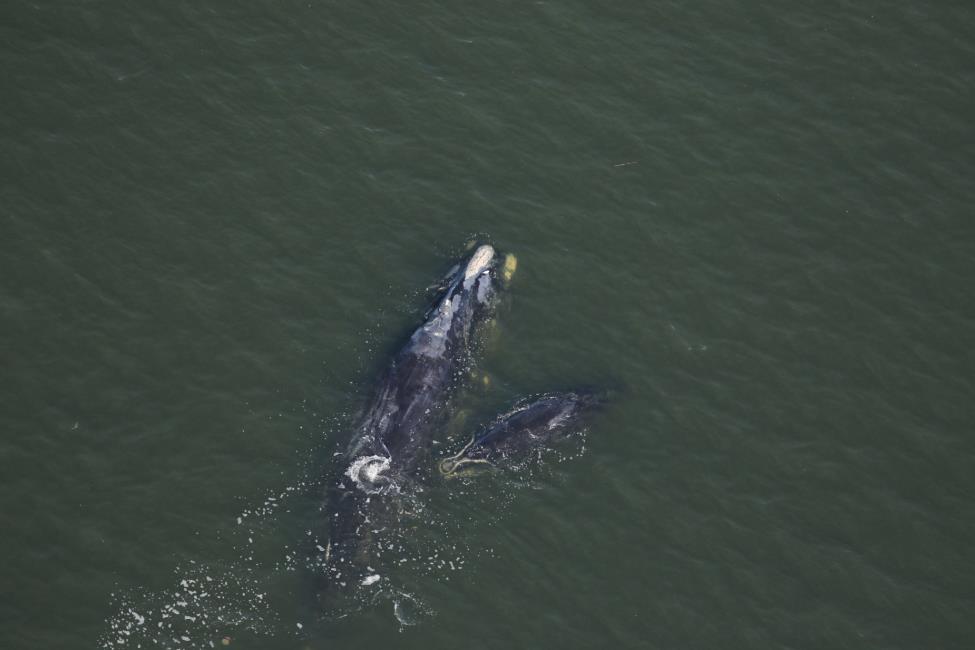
(211, 601)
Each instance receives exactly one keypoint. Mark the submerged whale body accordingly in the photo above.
(372, 492)
(527, 427)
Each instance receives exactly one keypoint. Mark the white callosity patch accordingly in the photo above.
(431, 339)
(480, 261)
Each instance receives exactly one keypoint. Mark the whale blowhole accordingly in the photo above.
(368, 473)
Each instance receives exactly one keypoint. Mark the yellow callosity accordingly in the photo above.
(510, 264)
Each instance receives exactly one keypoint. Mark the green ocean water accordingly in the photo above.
(752, 222)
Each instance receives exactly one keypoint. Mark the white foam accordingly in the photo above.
(367, 472)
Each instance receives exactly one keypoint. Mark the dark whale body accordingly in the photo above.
(530, 425)
(377, 474)
(414, 388)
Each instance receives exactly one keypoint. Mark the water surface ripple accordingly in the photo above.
(752, 222)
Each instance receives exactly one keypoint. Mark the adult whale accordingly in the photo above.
(377, 472)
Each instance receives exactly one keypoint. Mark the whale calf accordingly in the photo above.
(528, 426)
